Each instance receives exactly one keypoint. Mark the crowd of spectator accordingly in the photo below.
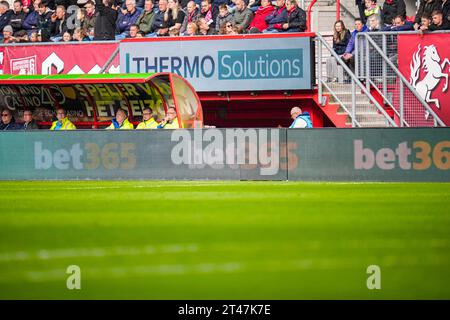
(431, 15)
(85, 20)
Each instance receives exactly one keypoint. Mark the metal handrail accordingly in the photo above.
(308, 18)
(339, 101)
(338, 10)
(110, 60)
(390, 33)
(402, 78)
(390, 104)
(354, 78)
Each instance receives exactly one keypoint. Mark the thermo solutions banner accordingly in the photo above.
(419, 154)
(282, 63)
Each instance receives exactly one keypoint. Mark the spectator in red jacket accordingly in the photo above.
(259, 23)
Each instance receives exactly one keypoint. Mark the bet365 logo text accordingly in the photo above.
(90, 156)
(421, 156)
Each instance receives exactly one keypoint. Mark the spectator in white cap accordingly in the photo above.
(301, 119)
(7, 34)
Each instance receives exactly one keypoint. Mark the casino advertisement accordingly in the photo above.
(83, 102)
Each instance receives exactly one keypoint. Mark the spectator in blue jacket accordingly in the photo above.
(127, 17)
(31, 22)
(359, 27)
(39, 19)
(400, 24)
(276, 19)
(349, 51)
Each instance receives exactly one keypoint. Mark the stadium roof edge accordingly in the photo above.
(6, 79)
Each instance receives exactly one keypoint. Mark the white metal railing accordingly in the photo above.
(323, 83)
(376, 64)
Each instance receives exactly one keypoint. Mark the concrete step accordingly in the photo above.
(369, 123)
(360, 99)
(324, 16)
(372, 118)
(360, 110)
(319, 3)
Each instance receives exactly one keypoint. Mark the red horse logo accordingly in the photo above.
(431, 62)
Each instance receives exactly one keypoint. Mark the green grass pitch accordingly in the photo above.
(224, 240)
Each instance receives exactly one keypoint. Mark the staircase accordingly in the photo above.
(323, 15)
(335, 94)
(367, 114)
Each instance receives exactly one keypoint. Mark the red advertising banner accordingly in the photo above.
(59, 58)
(424, 61)
(1, 59)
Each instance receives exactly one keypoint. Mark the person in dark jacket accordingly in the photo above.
(361, 4)
(18, 16)
(426, 7)
(278, 16)
(438, 22)
(38, 19)
(159, 25)
(65, 3)
(91, 15)
(191, 16)
(445, 8)
(296, 18)
(393, 8)
(127, 18)
(341, 37)
(210, 13)
(105, 24)
(31, 22)
(28, 122)
(5, 15)
(145, 20)
(58, 23)
(8, 122)
(400, 24)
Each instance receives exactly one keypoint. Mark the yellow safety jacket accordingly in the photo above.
(64, 124)
(173, 125)
(371, 11)
(126, 125)
(149, 124)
